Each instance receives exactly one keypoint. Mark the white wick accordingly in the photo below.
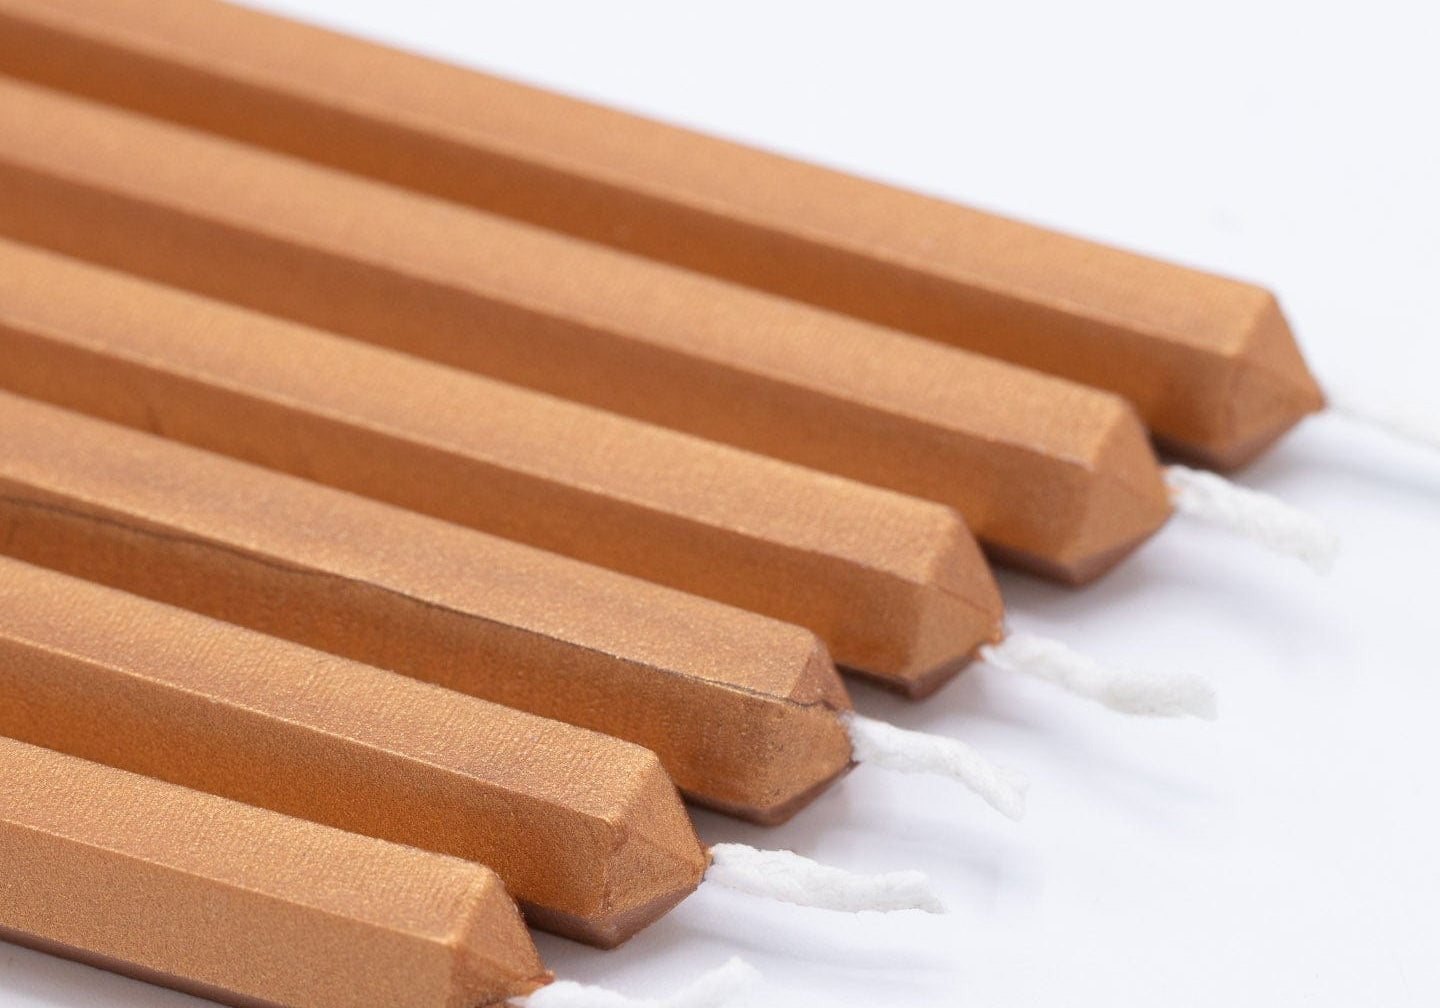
(1130, 692)
(1251, 514)
(1404, 423)
(918, 752)
(789, 878)
(714, 989)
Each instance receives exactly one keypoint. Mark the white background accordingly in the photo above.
(1285, 855)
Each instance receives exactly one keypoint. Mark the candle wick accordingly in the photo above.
(790, 878)
(920, 752)
(1152, 694)
(1402, 422)
(714, 989)
(1256, 516)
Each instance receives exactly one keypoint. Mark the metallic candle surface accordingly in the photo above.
(895, 586)
(244, 905)
(586, 831)
(1210, 362)
(744, 711)
(1050, 474)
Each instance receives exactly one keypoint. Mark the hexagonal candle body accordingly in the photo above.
(586, 831)
(744, 711)
(895, 586)
(240, 904)
(1210, 362)
(1053, 475)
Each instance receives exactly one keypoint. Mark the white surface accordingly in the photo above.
(1284, 855)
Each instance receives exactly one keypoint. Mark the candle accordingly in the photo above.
(1210, 362)
(241, 904)
(1050, 474)
(586, 831)
(895, 586)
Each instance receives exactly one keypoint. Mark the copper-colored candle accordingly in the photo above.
(586, 831)
(1050, 474)
(1210, 362)
(240, 904)
(894, 585)
(744, 711)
